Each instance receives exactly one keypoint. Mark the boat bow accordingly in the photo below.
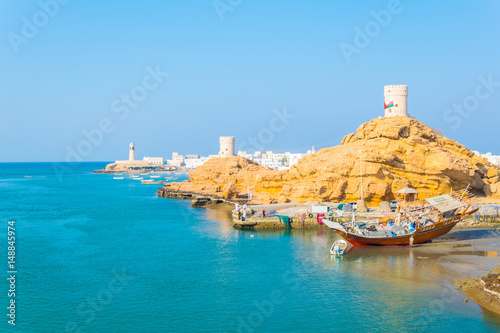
(334, 225)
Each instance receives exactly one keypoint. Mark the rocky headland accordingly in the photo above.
(395, 152)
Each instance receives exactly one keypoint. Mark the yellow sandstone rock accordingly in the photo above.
(396, 152)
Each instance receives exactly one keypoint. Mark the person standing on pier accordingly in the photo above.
(238, 211)
(244, 212)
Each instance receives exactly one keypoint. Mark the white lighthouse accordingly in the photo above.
(226, 146)
(395, 99)
(131, 152)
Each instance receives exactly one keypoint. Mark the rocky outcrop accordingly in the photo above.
(390, 153)
(484, 291)
(197, 200)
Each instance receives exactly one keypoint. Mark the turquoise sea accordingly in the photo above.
(95, 254)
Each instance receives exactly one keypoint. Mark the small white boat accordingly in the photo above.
(117, 177)
(155, 176)
(338, 247)
(153, 181)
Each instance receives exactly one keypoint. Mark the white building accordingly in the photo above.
(494, 159)
(154, 160)
(395, 100)
(272, 160)
(226, 146)
(293, 158)
(193, 163)
(269, 159)
(189, 161)
(177, 160)
(175, 163)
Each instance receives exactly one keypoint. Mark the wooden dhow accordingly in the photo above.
(418, 222)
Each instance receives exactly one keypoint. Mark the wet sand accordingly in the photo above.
(471, 252)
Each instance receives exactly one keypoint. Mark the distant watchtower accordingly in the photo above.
(131, 152)
(395, 99)
(226, 146)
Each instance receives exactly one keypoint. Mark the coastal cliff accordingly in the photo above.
(395, 152)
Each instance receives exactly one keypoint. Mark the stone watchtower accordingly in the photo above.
(226, 146)
(131, 152)
(395, 98)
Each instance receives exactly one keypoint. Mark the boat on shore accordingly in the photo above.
(417, 223)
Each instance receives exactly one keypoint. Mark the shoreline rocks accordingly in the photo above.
(197, 200)
(484, 291)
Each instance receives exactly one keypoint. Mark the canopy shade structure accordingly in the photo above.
(444, 203)
(407, 197)
(408, 190)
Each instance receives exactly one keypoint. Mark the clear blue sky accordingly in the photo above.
(227, 76)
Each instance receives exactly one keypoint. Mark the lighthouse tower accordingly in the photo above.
(131, 152)
(395, 98)
(226, 146)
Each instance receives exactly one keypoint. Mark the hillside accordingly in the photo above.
(396, 152)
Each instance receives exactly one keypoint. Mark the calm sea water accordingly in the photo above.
(95, 254)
